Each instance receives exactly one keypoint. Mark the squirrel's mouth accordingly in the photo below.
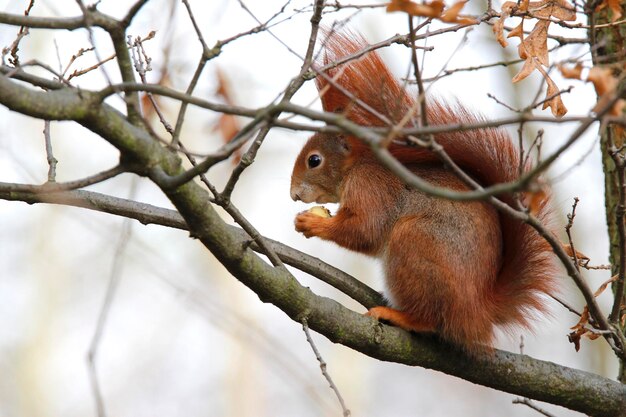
(325, 198)
(306, 195)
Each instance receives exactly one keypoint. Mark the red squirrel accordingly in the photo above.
(455, 268)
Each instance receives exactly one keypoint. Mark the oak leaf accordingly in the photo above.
(430, 9)
(574, 73)
(602, 287)
(433, 9)
(227, 124)
(553, 95)
(579, 255)
(498, 26)
(517, 31)
(614, 6)
(553, 99)
(533, 49)
(604, 82)
(451, 15)
(579, 329)
(558, 9)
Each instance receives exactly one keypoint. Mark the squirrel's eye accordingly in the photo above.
(314, 161)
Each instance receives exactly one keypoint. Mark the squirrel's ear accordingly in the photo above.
(344, 144)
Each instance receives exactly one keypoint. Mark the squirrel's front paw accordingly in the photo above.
(310, 224)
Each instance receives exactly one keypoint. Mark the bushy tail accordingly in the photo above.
(366, 92)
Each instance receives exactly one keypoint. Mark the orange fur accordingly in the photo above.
(458, 268)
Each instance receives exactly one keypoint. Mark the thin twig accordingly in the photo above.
(36, 63)
(114, 279)
(568, 232)
(78, 73)
(323, 366)
(88, 25)
(142, 63)
(81, 51)
(23, 32)
(196, 27)
(565, 304)
(548, 98)
(53, 187)
(52, 161)
(498, 101)
(421, 98)
(531, 404)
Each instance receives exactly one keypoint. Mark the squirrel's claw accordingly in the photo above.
(309, 224)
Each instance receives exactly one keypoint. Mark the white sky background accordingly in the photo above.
(185, 338)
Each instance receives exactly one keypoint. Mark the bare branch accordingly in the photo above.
(568, 231)
(323, 366)
(532, 405)
(52, 161)
(114, 279)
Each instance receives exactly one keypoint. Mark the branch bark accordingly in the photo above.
(608, 45)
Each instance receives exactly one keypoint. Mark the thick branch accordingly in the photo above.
(69, 23)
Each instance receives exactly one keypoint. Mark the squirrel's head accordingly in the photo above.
(319, 169)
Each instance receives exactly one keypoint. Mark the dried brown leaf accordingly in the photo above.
(517, 31)
(573, 73)
(602, 287)
(554, 100)
(228, 127)
(583, 321)
(557, 107)
(603, 80)
(574, 337)
(451, 15)
(559, 9)
(498, 26)
(223, 86)
(591, 335)
(534, 48)
(553, 96)
(527, 69)
(605, 83)
(579, 255)
(431, 9)
(616, 110)
(536, 43)
(227, 123)
(523, 5)
(614, 6)
(579, 329)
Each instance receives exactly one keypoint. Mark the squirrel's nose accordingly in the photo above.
(295, 191)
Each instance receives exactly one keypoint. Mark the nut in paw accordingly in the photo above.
(309, 224)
